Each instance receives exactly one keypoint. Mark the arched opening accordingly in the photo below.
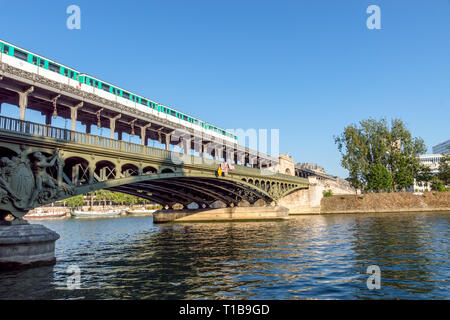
(149, 170)
(167, 170)
(288, 172)
(76, 170)
(129, 170)
(105, 170)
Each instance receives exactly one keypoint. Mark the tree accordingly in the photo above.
(437, 184)
(75, 202)
(379, 178)
(444, 169)
(424, 174)
(373, 143)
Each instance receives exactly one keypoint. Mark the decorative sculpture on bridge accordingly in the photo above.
(25, 182)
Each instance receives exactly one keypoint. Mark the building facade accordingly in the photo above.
(431, 161)
(443, 147)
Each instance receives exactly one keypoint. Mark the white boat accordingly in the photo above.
(141, 211)
(40, 214)
(110, 213)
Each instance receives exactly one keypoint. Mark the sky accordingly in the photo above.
(307, 68)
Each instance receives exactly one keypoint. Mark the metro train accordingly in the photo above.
(34, 63)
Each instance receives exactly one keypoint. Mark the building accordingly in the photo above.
(317, 176)
(431, 161)
(443, 147)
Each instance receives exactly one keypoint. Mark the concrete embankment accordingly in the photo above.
(222, 214)
(386, 202)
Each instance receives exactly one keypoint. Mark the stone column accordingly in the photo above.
(48, 119)
(26, 245)
(112, 124)
(23, 101)
(205, 146)
(74, 114)
(144, 133)
(88, 128)
(167, 140)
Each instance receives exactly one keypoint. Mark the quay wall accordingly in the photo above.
(386, 202)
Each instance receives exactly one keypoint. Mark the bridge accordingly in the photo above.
(41, 163)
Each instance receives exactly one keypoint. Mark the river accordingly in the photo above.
(305, 257)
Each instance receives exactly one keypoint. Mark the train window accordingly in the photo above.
(144, 102)
(126, 95)
(66, 72)
(6, 49)
(106, 87)
(42, 63)
(53, 67)
(20, 55)
(35, 60)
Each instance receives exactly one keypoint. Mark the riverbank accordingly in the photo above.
(386, 202)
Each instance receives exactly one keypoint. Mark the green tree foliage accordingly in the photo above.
(373, 142)
(424, 174)
(328, 193)
(379, 178)
(444, 169)
(74, 202)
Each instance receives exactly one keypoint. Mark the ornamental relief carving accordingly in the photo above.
(31, 180)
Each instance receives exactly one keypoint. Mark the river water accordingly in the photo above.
(306, 257)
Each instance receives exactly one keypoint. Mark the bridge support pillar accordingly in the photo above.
(74, 114)
(26, 245)
(167, 141)
(48, 119)
(23, 101)
(144, 133)
(112, 124)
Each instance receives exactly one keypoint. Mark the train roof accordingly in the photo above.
(38, 55)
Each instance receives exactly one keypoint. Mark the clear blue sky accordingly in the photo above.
(308, 68)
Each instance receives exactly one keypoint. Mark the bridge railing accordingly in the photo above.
(40, 130)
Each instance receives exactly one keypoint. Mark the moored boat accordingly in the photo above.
(45, 215)
(110, 213)
(142, 211)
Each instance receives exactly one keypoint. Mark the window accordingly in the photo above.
(42, 63)
(126, 95)
(35, 60)
(6, 49)
(53, 67)
(144, 102)
(20, 55)
(66, 72)
(106, 87)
